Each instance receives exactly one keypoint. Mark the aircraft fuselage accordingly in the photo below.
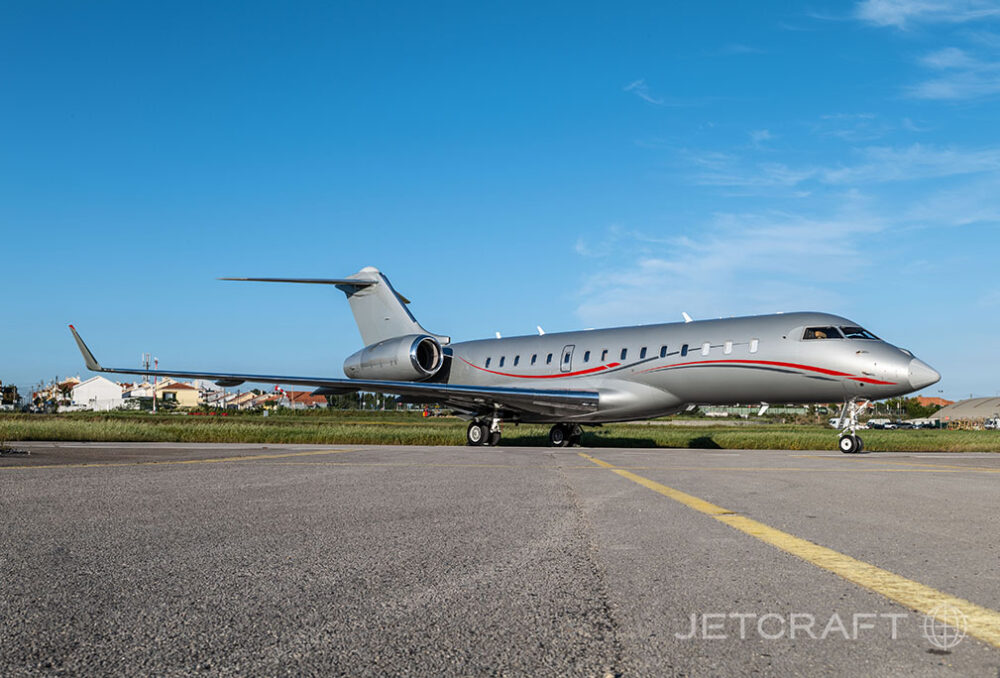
(654, 370)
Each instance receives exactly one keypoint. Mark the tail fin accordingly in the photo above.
(379, 310)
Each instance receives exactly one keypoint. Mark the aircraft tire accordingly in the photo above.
(477, 434)
(861, 445)
(559, 436)
(575, 434)
(849, 444)
(494, 439)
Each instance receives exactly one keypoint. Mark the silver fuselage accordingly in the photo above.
(757, 359)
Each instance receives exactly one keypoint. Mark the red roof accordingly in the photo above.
(177, 387)
(305, 397)
(924, 402)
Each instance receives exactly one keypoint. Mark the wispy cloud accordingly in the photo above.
(736, 263)
(903, 14)
(759, 136)
(852, 127)
(876, 164)
(737, 49)
(641, 90)
(963, 76)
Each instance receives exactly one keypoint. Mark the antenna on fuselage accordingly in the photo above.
(687, 318)
(541, 332)
(498, 336)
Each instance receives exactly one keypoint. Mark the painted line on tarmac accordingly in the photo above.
(956, 467)
(781, 469)
(981, 622)
(170, 462)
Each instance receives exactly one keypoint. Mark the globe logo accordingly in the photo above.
(944, 627)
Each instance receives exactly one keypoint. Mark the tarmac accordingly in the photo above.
(180, 559)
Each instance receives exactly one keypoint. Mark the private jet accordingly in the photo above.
(593, 377)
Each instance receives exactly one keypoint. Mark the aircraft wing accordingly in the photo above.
(476, 399)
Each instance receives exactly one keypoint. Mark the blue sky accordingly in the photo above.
(569, 165)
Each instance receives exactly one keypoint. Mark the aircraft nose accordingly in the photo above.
(922, 374)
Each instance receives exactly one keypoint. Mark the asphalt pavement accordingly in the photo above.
(192, 559)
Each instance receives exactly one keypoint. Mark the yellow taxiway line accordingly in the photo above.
(982, 623)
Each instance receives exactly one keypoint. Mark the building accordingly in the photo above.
(183, 395)
(303, 400)
(976, 410)
(97, 394)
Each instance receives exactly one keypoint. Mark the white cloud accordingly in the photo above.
(641, 90)
(963, 76)
(759, 136)
(877, 164)
(737, 264)
(904, 13)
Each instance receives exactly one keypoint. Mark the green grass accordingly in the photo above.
(409, 428)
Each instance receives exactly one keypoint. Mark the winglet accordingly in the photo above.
(88, 357)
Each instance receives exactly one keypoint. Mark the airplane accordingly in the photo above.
(593, 377)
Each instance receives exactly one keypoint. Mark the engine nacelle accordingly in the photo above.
(411, 358)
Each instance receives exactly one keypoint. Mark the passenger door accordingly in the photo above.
(566, 362)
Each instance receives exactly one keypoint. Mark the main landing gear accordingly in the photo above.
(486, 432)
(482, 432)
(850, 441)
(563, 435)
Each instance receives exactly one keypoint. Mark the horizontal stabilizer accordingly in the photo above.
(356, 282)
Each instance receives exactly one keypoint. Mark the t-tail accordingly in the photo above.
(379, 310)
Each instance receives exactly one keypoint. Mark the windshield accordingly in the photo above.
(858, 333)
(821, 333)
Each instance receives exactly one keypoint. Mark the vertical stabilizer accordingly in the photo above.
(379, 310)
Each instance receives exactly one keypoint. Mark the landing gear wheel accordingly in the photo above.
(861, 445)
(494, 439)
(559, 436)
(575, 433)
(477, 434)
(850, 444)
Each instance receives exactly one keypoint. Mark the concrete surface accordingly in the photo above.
(164, 559)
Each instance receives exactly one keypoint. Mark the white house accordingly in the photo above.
(98, 393)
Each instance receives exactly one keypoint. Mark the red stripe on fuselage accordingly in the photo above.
(797, 366)
(592, 370)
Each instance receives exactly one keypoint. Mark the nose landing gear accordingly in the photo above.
(850, 441)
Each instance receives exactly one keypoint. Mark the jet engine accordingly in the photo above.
(413, 357)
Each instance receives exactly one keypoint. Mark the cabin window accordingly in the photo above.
(642, 353)
(684, 350)
(548, 359)
(586, 356)
(517, 359)
(567, 357)
(604, 355)
(663, 351)
(728, 348)
(858, 333)
(534, 357)
(821, 333)
(624, 353)
(488, 361)
(706, 348)
(502, 359)
(754, 344)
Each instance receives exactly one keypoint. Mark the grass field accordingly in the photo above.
(407, 428)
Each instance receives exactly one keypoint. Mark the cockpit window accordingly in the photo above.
(858, 333)
(821, 333)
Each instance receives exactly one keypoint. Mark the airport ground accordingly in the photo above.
(218, 559)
